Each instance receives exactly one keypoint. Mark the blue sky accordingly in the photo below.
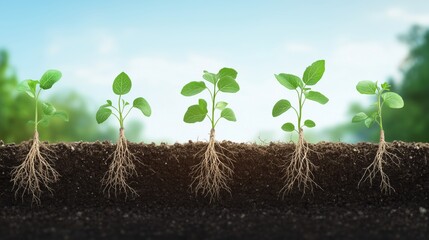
(164, 44)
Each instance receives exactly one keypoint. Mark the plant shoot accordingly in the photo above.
(211, 174)
(36, 172)
(392, 100)
(299, 171)
(122, 166)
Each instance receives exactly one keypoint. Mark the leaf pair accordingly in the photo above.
(391, 99)
(223, 81)
(121, 86)
(311, 76)
(48, 79)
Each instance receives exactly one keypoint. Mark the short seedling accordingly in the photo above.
(122, 166)
(211, 174)
(299, 171)
(36, 172)
(392, 100)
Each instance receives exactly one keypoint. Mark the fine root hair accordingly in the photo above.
(299, 171)
(377, 166)
(35, 173)
(120, 169)
(212, 174)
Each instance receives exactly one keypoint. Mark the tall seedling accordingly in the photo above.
(122, 166)
(299, 170)
(392, 100)
(36, 172)
(211, 174)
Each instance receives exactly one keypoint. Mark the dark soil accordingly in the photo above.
(167, 208)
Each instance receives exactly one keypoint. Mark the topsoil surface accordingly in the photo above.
(167, 208)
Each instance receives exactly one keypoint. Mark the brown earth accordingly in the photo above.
(167, 208)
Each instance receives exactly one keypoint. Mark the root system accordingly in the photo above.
(377, 166)
(35, 173)
(211, 175)
(299, 171)
(120, 169)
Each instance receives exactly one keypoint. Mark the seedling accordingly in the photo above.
(392, 100)
(299, 171)
(122, 166)
(36, 172)
(211, 174)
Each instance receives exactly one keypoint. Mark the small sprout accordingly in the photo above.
(211, 174)
(122, 165)
(392, 100)
(299, 170)
(36, 172)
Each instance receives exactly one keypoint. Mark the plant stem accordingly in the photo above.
(213, 106)
(379, 110)
(301, 104)
(121, 119)
(36, 98)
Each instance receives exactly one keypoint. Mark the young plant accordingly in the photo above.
(392, 100)
(211, 174)
(122, 165)
(36, 172)
(299, 170)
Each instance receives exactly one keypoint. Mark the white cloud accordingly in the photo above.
(407, 17)
(298, 48)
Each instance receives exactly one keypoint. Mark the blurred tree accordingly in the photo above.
(412, 122)
(17, 109)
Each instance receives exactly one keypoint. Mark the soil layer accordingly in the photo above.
(167, 208)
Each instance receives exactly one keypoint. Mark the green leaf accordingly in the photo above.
(210, 77)
(49, 78)
(309, 123)
(194, 114)
(221, 105)
(102, 114)
(288, 127)
(109, 102)
(385, 86)
(368, 122)
(359, 117)
(44, 121)
(317, 97)
(393, 100)
(280, 107)
(228, 114)
(62, 115)
(193, 88)
(228, 84)
(48, 109)
(203, 104)
(227, 72)
(314, 72)
(125, 103)
(29, 87)
(122, 84)
(366, 87)
(288, 80)
(143, 105)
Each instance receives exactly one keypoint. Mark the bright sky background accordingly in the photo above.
(164, 44)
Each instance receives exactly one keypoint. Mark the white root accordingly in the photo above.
(377, 166)
(35, 173)
(120, 169)
(211, 174)
(299, 171)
